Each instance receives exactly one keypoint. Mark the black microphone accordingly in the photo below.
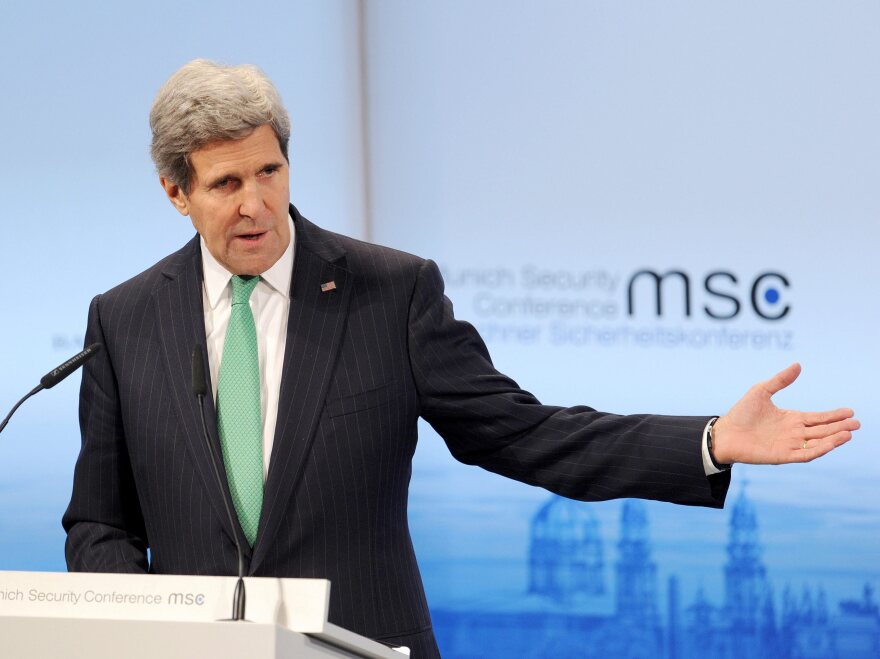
(199, 382)
(56, 375)
(200, 389)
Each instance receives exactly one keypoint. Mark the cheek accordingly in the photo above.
(215, 237)
(281, 198)
(214, 224)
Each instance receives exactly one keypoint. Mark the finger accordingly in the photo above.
(782, 379)
(818, 448)
(831, 416)
(828, 429)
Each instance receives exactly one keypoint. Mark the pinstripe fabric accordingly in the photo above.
(361, 364)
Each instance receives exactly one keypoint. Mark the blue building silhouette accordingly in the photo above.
(744, 626)
(569, 611)
(565, 555)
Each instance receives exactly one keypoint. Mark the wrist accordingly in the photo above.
(717, 445)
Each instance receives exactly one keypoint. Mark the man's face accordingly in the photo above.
(238, 200)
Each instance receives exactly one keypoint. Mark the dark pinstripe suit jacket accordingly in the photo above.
(361, 364)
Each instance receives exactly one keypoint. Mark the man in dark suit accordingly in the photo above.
(339, 349)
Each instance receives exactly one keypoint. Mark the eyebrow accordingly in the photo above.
(214, 181)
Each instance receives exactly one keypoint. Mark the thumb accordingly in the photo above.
(782, 379)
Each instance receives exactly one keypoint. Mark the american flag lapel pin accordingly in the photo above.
(328, 286)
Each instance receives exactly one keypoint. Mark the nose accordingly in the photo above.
(251, 200)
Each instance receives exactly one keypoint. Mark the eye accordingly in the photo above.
(270, 169)
(222, 183)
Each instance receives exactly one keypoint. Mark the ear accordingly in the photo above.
(176, 195)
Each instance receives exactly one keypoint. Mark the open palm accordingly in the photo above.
(755, 431)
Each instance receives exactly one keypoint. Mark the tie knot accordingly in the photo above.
(242, 287)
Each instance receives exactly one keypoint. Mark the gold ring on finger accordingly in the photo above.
(805, 443)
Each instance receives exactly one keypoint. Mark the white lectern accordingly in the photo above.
(104, 616)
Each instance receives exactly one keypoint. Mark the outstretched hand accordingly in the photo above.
(755, 431)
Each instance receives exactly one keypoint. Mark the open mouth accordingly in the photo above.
(251, 237)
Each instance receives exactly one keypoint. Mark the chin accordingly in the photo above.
(250, 271)
(255, 261)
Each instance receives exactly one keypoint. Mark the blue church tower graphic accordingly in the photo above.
(636, 572)
(634, 630)
(746, 590)
(565, 554)
(744, 627)
(748, 599)
(569, 610)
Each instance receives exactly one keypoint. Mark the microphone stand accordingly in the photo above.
(200, 389)
(33, 391)
(56, 375)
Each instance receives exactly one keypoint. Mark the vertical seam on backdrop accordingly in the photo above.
(367, 179)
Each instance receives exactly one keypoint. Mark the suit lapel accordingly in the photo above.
(314, 331)
(181, 324)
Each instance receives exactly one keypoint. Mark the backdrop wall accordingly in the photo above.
(546, 155)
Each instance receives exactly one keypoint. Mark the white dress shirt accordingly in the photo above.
(270, 304)
(708, 467)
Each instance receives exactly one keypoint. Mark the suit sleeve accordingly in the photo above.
(486, 419)
(105, 528)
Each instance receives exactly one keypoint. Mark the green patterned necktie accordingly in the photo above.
(238, 409)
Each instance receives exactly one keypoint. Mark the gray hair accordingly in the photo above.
(204, 102)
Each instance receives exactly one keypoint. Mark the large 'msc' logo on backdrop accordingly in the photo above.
(720, 294)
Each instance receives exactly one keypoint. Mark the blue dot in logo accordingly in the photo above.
(771, 295)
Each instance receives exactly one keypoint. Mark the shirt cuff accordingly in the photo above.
(708, 467)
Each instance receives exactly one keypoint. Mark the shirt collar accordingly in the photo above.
(216, 277)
